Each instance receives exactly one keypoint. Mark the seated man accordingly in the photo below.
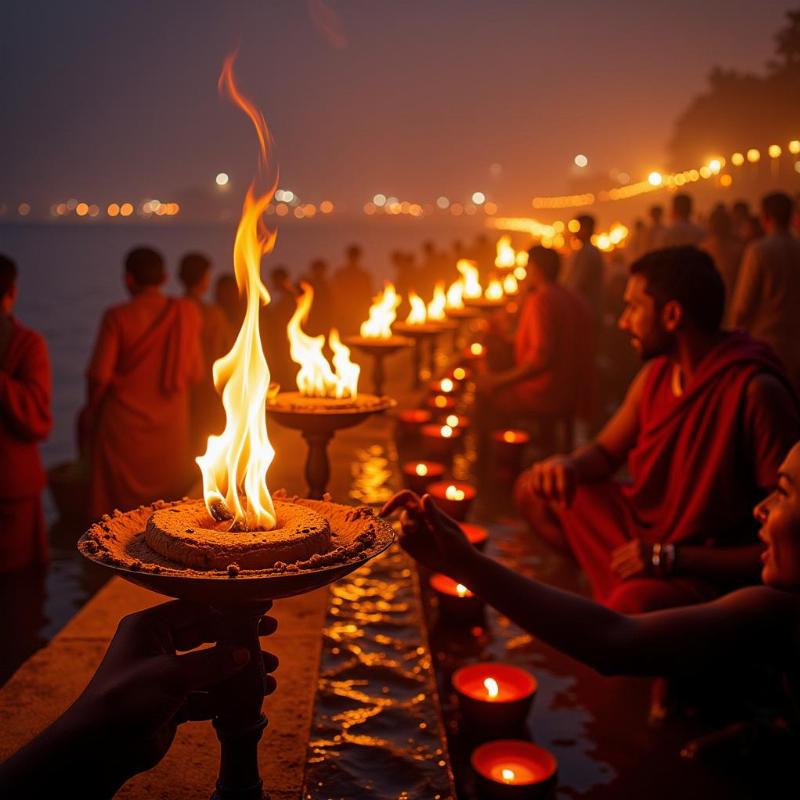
(553, 351)
(136, 421)
(703, 430)
(25, 419)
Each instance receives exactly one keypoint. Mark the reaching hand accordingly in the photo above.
(554, 479)
(137, 696)
(428, 534)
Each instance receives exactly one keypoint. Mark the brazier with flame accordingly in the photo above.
(240, 548)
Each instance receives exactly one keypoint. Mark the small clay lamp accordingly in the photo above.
(494, 696)
(453, 497)
(456, 601)
(457, 421)
(508, 447)
(446, 386)
(409, 421)
(441, 404)
(418, 475)
(477, 535)
(513, 769)
(441, 441)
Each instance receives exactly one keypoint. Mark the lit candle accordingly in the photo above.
(476, 534)
(514, 768)
(417, 475)
(442, 403)
(411, 420)
(460, 374)
(441, 440)
(454, 599)
(494, 695)
(453, 497)
(508, 448)
(457, 421)
(474, 351)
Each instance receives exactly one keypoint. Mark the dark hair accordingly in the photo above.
(587, 223)
(319, 265)
(778, 207)
(193, 268)
(682, 205)
(145, 266)
(279, 273)
(353, 251)
(741, 207)
(547, 260)
(656, 212)
(688, 276)
(8, 275)
(719, 222)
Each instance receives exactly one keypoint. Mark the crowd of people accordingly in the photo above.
(657, 508)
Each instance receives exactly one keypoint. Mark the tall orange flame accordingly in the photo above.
(506, 257)
(417, 315)
(470, 279)
(436, 307)
(382, 314)
(235, 464)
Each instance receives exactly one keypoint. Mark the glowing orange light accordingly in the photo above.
(476, 348)
(421, 469)
(446, 431)
(126, 209)
(505, 257)
(462, 590)
(508, 775)
(459, 373)
(382, 314)
(454, 493)
(418, 314)
(437, 306)
(492, 689)
(452, 420)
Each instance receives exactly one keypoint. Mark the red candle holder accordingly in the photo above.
(455, 600)
(477, 535)
(453, 497)
(441, 404)
(494, 697)
(508, 447)
(409, 421)
(457, 421)
(418, 475)
(440, 441)
(513, 769)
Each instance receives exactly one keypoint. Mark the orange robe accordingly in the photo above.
(148, 353)
(25, 419)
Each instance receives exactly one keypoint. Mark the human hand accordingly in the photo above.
(137, 696)
(633, 559)
(429, 535)
(554, 479)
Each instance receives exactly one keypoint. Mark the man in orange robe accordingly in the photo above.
(137, 418)
(24, 420)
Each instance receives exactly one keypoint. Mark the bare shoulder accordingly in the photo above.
(636, 389)
(763, 602)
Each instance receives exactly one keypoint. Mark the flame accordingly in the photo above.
(510, 285)
(454, 493)
(462, 590)
(459, 373)
(421, 469)
(437, 306)
(492, 689)
(447, 385)
(236, 462)
(382, 314)
(476, 348)
(316, 378)
(520, 273)
(521, 259)
(446, 431)
(452, 420)
(508, 774)
(417, 315)
(440, 401)
(494, 291)
(455, 295)
(469, 278)
(509, 436)
(506, 257)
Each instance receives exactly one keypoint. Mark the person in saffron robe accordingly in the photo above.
(553, 371)
(584, 272)
(703, 429)
(766, 300)
(352, 292)
(136, 422)
(25, 420)
(208, 414)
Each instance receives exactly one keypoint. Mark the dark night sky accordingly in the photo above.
(111, 99)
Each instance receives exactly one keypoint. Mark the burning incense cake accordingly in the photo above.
(189, 535)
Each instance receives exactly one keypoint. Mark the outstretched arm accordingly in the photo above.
(754, 620)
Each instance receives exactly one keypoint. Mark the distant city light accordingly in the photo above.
(725, 180)
(490, 208)
(774, 151)
(82, 209)
(379, 200)
(794, 146)
(285, 196)
(655, 179)
(443, 202)
(126, 209)
(715, 165)
(222, 179)
(23, 209)
(753, 155)
(326, 206)
(737, 159)
(479, 198)
(113, 210)
(581, 160)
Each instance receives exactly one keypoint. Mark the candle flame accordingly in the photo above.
(446, 431)
(476, 348)
(506, 256)
(510, 285)
(459, 373)
(454, 493)
(508, 775)
(447, 385)
(520, 273)
(316, 378)
(440, 401)
(422, 470)
(234, 466)
(452, 420)
(382, 314)
(418, 314)
(455, 295)
(462, 590)
(436, 307)
(494, 291)
(469, 278)
(492, 689)
(522, 259)
(509, 436)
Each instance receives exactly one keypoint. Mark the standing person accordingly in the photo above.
(584, 272)
(136, 422)
(274, 322)
(725, 248)
(766, 301)
(352, 292)
(655, 231)
(682, 231)
(740, 217)
(230, 302)
(208, 414)
(320, 318)
(25, 419)
(702, 430)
